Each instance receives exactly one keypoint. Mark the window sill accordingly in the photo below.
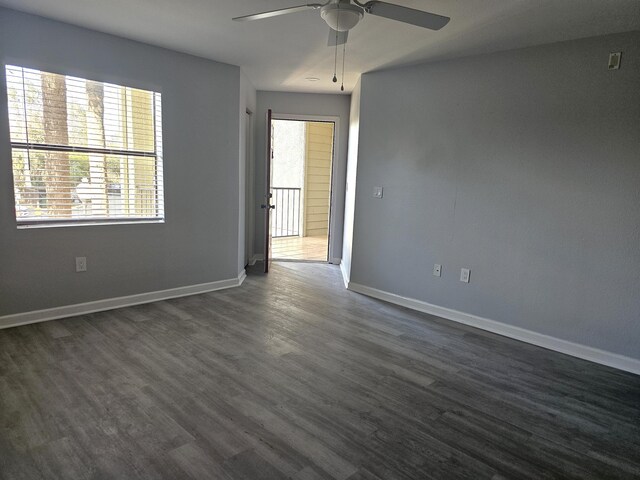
(58, 224)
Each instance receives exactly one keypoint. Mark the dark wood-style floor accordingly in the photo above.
(292, 376)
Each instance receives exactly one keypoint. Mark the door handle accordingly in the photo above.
(267, 206)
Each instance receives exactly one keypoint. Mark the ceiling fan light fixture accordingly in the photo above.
(341, 16)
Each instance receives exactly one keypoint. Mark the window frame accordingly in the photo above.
(157, 155)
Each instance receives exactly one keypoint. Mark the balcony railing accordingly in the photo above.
(285, 220)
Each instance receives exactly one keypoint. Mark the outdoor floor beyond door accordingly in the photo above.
(300, 248)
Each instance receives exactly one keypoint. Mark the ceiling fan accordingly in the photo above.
(343, 15)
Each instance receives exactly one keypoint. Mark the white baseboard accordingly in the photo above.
(258, 257)
(563, 346)
(36, 316)
(345, 276)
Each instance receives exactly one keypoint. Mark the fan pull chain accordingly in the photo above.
(344, 54)
(335, 61)
(335, 57)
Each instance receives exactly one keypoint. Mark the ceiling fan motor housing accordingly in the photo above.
(341, 16)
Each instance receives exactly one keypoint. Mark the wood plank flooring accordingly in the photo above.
(300, 248)
(292, 376)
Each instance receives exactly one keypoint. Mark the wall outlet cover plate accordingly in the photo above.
(81, 264)
(614, 60)
(465, 273)
(437, 270)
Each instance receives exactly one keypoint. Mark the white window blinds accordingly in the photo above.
(83, 151)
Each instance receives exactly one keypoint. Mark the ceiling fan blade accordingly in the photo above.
(338, 39)
(275, 13)
(406, 15)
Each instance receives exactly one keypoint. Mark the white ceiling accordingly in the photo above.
(280, 53)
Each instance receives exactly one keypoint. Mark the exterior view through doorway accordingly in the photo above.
(301, 169)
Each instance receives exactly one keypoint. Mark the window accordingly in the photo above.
(83, 151)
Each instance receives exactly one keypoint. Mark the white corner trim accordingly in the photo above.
(345, 276)
(585, 352)
(258, 257)
(36, 316)
(242, 276)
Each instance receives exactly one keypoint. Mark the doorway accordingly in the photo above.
(301, 171)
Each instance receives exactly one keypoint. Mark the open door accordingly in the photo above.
(266, 206)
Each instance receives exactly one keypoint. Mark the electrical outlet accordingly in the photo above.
(437, 270)
(465, 273)
(81, 264)
(377, 192)
(614, 60)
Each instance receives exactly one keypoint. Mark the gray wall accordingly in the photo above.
(304, 104)
(351, 177)
(523, 166)
(199, 241)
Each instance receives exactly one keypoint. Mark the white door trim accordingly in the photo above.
(249, 187)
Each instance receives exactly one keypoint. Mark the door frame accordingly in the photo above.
(267, 205)
(249, 189)
(332, 251)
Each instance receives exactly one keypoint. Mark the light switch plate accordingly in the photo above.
(377, 192)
